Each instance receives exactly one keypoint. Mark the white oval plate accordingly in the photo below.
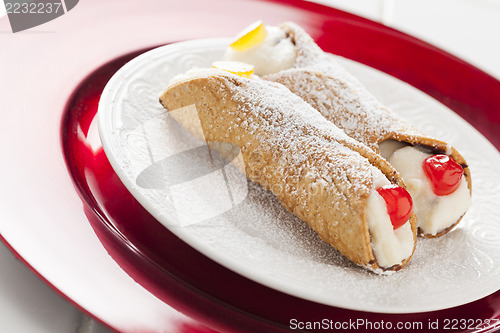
(244, 228)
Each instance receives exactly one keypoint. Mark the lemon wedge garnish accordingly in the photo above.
(235, 67)
(252, 35)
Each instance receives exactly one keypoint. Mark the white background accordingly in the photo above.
(469, 29)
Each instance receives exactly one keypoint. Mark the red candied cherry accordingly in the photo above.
(399, 204)
(444, 173)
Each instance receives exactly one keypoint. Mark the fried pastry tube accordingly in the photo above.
(436, 175)
(327, 179)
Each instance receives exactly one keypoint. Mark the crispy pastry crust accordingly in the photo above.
(317, 78)
(314, 169)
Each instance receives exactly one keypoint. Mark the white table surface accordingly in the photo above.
(466, 28)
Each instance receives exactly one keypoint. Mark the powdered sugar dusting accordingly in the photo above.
(300, 151)
(289, 125)
(319, 79)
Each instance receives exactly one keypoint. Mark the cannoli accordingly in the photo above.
(350, 196)
(437, 176)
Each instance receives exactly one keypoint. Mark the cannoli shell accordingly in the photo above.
(317, 78)
(314, 169)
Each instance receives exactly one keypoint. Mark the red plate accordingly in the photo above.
(156, 259)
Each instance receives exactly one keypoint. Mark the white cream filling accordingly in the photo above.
(434, 213)
(390, 246)
(275, 53)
